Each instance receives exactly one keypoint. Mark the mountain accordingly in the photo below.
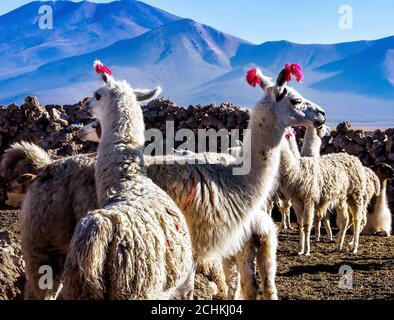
(178, 55)
(78, 27)
(274, 54)
(369, 72)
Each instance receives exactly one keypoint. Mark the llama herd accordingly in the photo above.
(121, 225)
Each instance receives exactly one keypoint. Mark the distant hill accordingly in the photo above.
(78, 27)
(193, 62)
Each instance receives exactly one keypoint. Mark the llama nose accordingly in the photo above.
(319, 119)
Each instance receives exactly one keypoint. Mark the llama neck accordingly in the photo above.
(120, 156)
(312, 143)
(289, 165)
(262, 149)
(293, 146)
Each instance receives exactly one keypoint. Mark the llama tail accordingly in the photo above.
(24, 151)
(87, 255)
(379, 221)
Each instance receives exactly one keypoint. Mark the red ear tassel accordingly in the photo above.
(252, 78)
(100, 68)
(293, 70)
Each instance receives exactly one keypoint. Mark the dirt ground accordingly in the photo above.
(316, 277)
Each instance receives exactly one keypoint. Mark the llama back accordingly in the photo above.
(153, 242)
(199, 191)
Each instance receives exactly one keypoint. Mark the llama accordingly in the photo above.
(311, 148)
(219, 206)
(228, 203)
(379, 220)
(318, 184)
(138, 245)
(61, 196)
(90, 132)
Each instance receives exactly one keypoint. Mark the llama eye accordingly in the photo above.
(97, 96)
(295, 101)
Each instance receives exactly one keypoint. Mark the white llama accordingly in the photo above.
(311, 148)
(138, 245)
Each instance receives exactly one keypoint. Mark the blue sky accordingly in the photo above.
(303, 21)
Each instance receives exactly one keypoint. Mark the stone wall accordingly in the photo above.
(55, 127)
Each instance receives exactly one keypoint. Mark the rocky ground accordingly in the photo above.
(299, 278)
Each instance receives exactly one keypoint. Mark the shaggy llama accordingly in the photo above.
(137, 246)
(311, 148)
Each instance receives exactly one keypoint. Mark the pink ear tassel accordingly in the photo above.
(252, 78)
(290, 133)
(293, 70)
(100, 68)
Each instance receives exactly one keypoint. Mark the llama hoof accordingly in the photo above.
(301, 253)
(339, 248)
(270, 296)
(317, 239)
(351, 243)
(354, 251)
(308, 254)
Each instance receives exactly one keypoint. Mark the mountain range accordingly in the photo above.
(193, 62)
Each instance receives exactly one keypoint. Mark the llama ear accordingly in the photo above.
(281, 83)
(108, 80)
(145, 95)
(282, 80)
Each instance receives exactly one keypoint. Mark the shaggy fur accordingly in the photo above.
(379, 220)
(278, 199)
(20, 151)
(138, 245)
(16, 189)
(317, 184)
(311, 148)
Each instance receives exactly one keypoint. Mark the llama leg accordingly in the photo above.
(213, 270)
(284, 218)
(308, 227)
(327, 226)
(288, 218)
(266, 262)
(343, 221)
(357, 220)
(41, 284)
(231, 273)
(317, 228)
(246, 266)
(299, 210)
